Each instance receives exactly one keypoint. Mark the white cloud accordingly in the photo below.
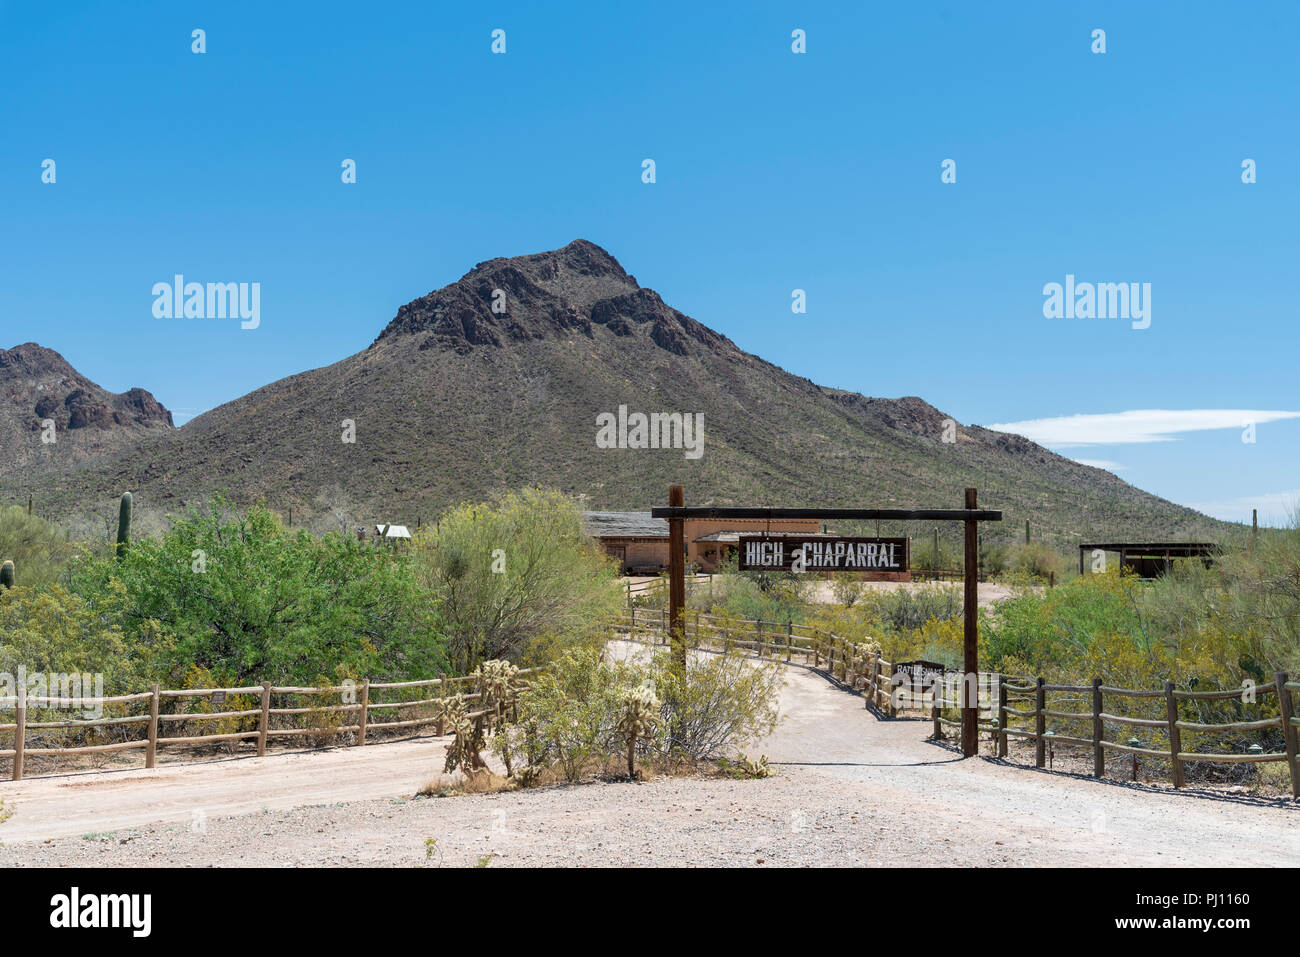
(1102, 464)
(1135, 426)
(1276, 508)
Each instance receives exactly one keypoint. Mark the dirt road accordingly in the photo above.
(851, 789)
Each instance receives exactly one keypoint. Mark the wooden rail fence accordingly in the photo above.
(1001, 699)
(156, 719)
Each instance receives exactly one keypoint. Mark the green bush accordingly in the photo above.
(574, 717)
(724, 700)
(513, 571)
(39, 549)
(249, 600)
(901, 609)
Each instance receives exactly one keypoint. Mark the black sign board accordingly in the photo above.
(792, 553)
(920, 674)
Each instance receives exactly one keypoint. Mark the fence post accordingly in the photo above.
(875, 682)
(151, 749)
(365, 711)
(20, 732)
(1289, 731)
(264, 721)
(935, 711)
(1002, 715)
(1098, 731)
(1175, 736)
(1040, 724)
(758, 636)
(789, 640)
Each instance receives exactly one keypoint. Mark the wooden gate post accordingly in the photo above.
(365, 711)
(1040, 724)
(970, 636)
(1098, 731)
(1175, 735)
(1289, 731)
(263, 722)
(20, 732)
(151, 749)
(677, 577)
(1002, 715)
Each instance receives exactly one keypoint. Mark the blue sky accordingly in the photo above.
(775, 171)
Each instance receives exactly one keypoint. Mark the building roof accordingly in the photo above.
(1156, 549)
(623, 525)
(733, 535)
(393, 531)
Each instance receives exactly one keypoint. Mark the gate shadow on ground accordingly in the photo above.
(867, 764)
(1141, 787)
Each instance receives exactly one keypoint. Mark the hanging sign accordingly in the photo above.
(825, 554)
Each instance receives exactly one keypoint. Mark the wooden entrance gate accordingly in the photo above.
(676, 513)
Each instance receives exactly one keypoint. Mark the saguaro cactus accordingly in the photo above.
(124, 525)
(7, 575)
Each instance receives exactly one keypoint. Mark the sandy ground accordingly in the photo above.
(989, 592)
(850, 789)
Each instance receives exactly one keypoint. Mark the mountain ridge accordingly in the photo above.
(496, 380)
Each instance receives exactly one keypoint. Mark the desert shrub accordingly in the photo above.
(938, 640)
(994, 559)
(723, 700)
(198, 677)
(570, 712)
(574, 717)
(901, 609)
(55, 631)
(924, 556)
(847, 590)
(1035, 561)
(745, 767)
(858, 624)
(40, 550)
(514, 570)
(248, 599)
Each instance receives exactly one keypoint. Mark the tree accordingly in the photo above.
(250, 600)
(515, 570)
(39, 550)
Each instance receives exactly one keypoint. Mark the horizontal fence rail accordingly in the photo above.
(272, 721)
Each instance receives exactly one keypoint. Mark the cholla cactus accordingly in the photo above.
(466, 746)
(640, 719)
(498, 682)
(447, 711)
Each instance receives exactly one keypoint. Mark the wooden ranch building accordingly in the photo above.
(640, 542)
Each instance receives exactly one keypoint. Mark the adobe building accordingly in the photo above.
(640, 542)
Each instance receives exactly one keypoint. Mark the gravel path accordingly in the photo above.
(850, 790)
